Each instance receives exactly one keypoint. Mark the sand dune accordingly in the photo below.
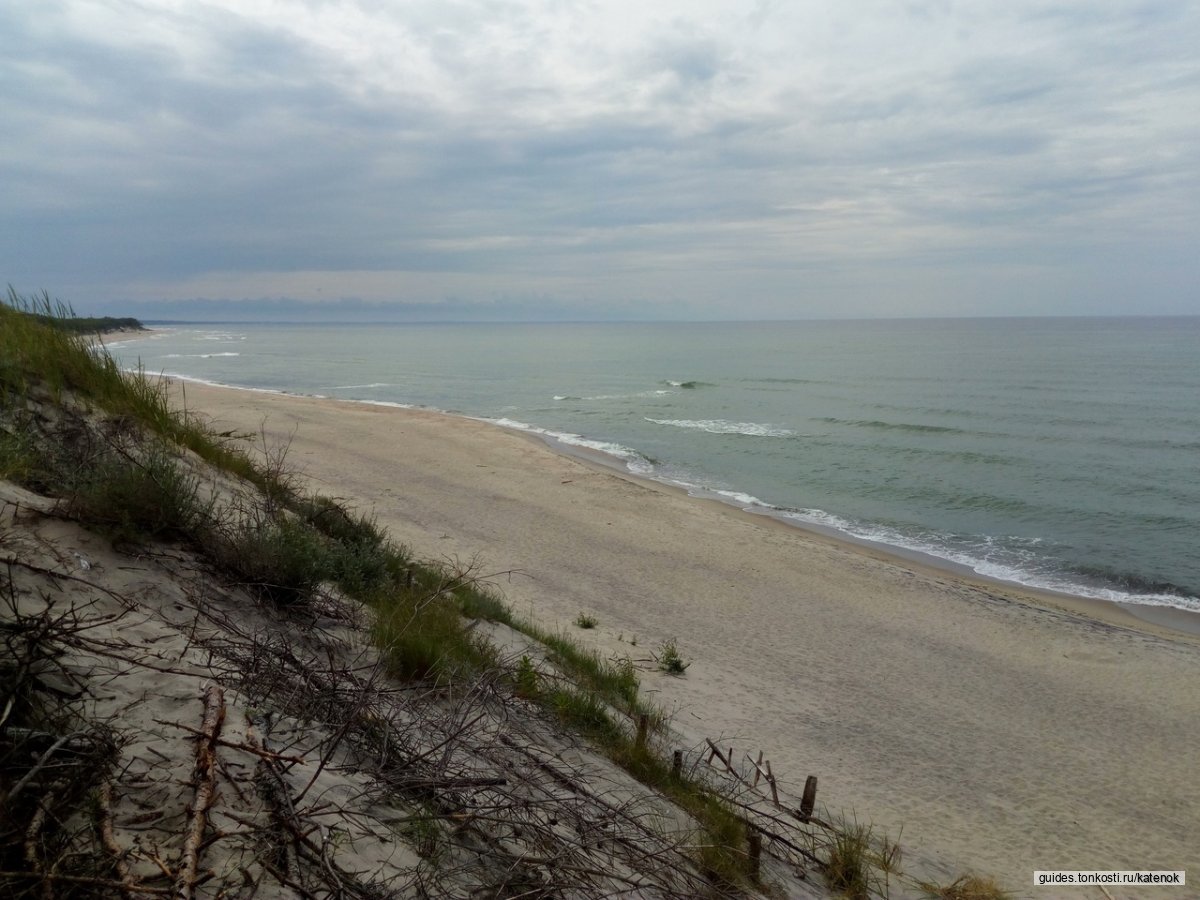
(1004, 732)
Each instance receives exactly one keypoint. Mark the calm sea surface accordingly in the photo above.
(1059, 453)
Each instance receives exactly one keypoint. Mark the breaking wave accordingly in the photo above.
(720, 426)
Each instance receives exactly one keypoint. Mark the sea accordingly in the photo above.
(1056, 453)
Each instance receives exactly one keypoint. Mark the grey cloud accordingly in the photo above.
(261, 152)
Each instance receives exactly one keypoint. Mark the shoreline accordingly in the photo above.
(1156, 618)
(1003, 731)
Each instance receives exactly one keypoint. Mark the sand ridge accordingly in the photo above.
(1004, 733)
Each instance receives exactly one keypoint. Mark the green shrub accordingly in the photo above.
(18, 456)
(526, 678)
(722, 851)
(427, 638)
(476, 602)
(141, 499)
(283, 560)
(583, 620)
(587, 713)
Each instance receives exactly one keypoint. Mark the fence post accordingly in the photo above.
(809, 800)
(755, 841)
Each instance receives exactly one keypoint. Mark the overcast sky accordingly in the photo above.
(649, 159)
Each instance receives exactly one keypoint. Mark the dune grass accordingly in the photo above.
(967, 887)
(122, 468)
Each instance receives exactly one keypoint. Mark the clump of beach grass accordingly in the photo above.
(848, 864)
(585, 621)
(966, 887)
(669, 659)
(141, 499)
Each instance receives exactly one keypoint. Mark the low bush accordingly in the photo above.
(283, 560)
(153, 497)
(427, 638)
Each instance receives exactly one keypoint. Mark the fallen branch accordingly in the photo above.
(32, 834)
(234, 745)
(80, 879)
(205, 776)
(41, 763)
(108, 840)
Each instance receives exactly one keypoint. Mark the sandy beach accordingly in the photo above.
(1003, 732)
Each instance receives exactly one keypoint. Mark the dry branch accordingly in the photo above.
(234, 745)
(88, 881)
(205, 776)
(104, 831)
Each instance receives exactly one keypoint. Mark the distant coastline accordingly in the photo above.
(93, 324)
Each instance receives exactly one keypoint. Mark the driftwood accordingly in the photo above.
(206, 784)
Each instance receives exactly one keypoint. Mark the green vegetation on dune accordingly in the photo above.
(91, 324)
(112, 447)
(122, 460)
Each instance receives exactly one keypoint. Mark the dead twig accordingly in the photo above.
(234, 745)
(206, 781)
(108, 840)
(41, 764)
(90, 881)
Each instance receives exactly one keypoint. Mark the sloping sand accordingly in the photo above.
(1005, 733)
(167, 730)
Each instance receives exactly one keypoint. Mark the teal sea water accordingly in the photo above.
(1057, 453)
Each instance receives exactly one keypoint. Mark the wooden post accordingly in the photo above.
(642, 726)
(771, 781)
(809, 800)
(755, 841)
(408, 578)
(677, 764)
(757, 769)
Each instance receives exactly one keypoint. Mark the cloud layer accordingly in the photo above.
(700, 159)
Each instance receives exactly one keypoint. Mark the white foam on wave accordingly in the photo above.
(1004, 560)
(658, 392)
(992, 558)
(745, 501)
(192, 379)
(721, 426)
(196, 355)
(394, 404)
(351, 387)
(634, 461)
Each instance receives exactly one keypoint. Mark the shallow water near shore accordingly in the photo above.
(1056, 453)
